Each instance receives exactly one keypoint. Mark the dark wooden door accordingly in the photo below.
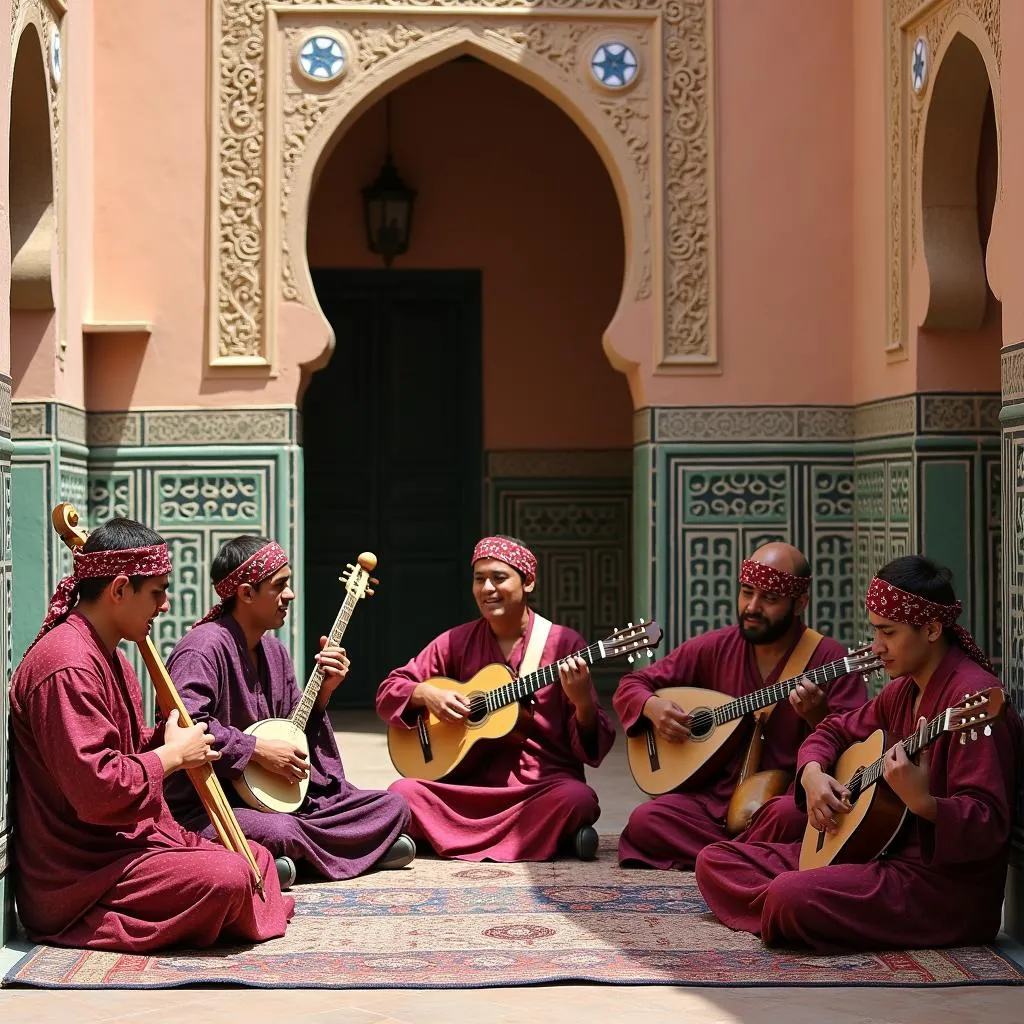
(392, 432)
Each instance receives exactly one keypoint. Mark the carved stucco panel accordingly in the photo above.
(253, 266)
(909, 19)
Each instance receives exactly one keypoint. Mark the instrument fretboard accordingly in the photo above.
(768, 695)
(311, 690)
(517, 689)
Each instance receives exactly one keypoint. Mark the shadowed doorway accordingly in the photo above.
(393, 453)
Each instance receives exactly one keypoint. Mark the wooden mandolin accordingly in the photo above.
(433, 748)
(265, 790)
(876, 813)
(659, 766)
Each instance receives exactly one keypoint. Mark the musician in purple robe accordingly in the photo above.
(941, 881)
(231, 673)
(670, 830)
(522, 797)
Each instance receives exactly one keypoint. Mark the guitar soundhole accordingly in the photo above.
(702, 723)
(477, 708)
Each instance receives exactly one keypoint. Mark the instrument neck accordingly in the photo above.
(913, 745)
(311, 690)
(769, 695)
(525, 686)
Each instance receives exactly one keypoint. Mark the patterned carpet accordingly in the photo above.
(458, 925)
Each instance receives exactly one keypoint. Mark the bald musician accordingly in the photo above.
(670, 830)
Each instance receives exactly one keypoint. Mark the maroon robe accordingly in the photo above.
(940, 884)
(340, 831)
(514, 798)
(670, 830)
(101, 862)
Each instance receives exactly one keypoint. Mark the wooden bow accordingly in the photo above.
(66, 522)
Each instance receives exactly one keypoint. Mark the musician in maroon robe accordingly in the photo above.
(230, 673)
(524, 796)
(941, 881)
(670, 830)
(101, 862)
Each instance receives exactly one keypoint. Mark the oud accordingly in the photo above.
(433, 748)
(659, 766)
(876, 813)
(265, 790)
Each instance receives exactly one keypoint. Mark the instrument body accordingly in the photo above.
(751, 794)
(268, 791)
(432, 748)
(876, 813)
(659, 766)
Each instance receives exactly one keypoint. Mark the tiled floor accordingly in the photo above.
(367, 764)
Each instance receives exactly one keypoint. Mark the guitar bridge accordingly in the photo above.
(421, 728)
(652, 751)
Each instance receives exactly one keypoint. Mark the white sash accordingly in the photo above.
(535, 648)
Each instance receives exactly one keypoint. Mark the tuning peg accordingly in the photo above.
(629, 658)
(974, 734)
(629, 625)
(370, 591)
(650, 654)
(963, 740)
(988, 730)
(375, 581)
(641, 622)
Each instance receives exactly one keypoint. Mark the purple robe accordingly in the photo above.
(670, 830)
(940, 884)
(339, 830)
(101, 863)
(515, 798)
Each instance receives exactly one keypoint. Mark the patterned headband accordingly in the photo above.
(772, 580)
(901, 606)
(90, 565)
(509, 552)
(268, 560)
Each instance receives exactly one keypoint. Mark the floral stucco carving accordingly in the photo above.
(909, 19)
(250, 245)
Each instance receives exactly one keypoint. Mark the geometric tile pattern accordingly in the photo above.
(1013, 573)
(6, 897)
(580, 531)
(713, 511)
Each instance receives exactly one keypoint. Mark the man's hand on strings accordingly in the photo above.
(670, 721)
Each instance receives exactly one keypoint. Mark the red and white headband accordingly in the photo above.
(508, 551)
(901, 606)
(154, 560)
(772, 580)
(255, 569)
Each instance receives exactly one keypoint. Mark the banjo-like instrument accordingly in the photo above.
(265, 790)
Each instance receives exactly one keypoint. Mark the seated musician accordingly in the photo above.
(231, 673)
(670, 830)
(524, 796)
(101, 863)
(941, 882)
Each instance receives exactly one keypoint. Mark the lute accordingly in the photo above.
(433, 748)
(659, 766)
(876, 813)
(265, 790)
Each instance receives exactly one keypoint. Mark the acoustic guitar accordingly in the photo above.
(877, 813)
(265, 790)
(433, 748)
(659, 766)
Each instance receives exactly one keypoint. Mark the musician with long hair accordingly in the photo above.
(941, 880)
(231, 671)
(669, 831)
(101, 862)
(524, 796)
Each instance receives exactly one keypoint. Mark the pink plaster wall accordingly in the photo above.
(785, 177)
(150, 184)
(509, 185)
